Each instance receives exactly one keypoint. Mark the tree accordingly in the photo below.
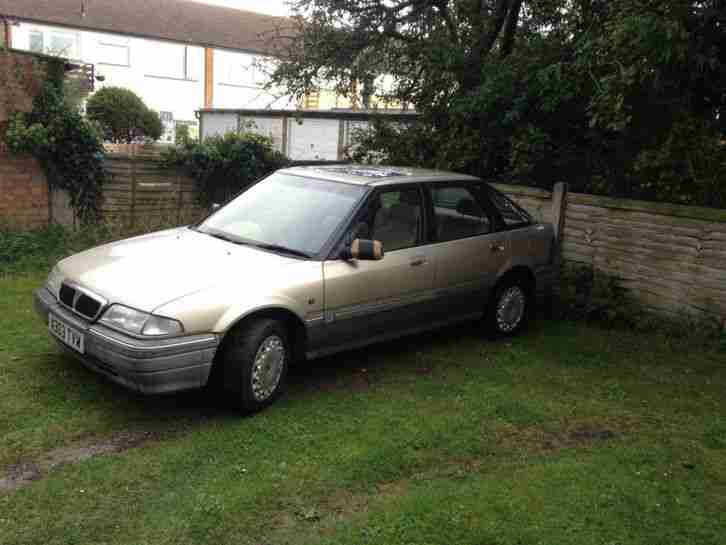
(123, 116)
(624, 97)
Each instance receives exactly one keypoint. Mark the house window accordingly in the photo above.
(114, 51)
(54, 42)
(175, 61)
(62, 45)
(237, 69)
(36, 41)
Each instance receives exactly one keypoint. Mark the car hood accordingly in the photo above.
(149, 271)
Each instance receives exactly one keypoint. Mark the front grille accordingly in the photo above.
(87, 306)
(81, 302)
(67, 294)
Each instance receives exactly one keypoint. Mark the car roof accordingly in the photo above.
(376, 175)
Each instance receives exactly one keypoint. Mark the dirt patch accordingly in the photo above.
(20, 475)
(586, 434)
(356, 382)
(537, 440)
(25, 472)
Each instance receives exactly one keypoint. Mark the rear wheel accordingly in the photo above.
(253, 364)
(509, 307)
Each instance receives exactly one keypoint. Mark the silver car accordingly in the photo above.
(307, 262)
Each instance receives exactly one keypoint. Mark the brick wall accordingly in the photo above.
(21, 79)
(23, 192)
(23, 186)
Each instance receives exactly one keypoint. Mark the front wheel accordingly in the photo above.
(254, 364)
(509, 307)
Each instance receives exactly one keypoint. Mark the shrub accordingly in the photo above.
(68, 147)
(123, 115)
(587, 294)
(222, 166)
(181, 134)
(38, 250)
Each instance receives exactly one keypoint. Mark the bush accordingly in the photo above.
(68, 147)
(586, 294)
(38, 250)
(222, 166)
(181, 134)
(123, 116)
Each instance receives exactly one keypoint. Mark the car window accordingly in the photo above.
(291, 211)
(512, 214)
(457, 214)
(394, 217)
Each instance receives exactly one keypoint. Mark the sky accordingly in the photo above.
(271, 7)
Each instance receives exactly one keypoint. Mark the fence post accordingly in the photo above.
(559, 209)
(132, 158)
(559, 206)
(180, 202)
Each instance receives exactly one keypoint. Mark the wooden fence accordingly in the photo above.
(671, 258)
(140, 189)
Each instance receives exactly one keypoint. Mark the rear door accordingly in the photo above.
(469, 250)
(365, 300)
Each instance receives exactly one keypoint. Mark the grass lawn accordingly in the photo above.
(567, 434)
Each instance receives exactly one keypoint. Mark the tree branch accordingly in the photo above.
(490, 37)
(510, 28)
(443, 8)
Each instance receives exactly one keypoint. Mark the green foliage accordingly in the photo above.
(587, 294)
(623, 98)
(222, 166)
(38, 250)
(68, 147)
(123, 115)
(181, 134)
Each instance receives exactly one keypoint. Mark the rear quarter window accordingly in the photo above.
(511, 213)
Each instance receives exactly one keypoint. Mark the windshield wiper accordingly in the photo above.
(278, 248)
(260, 245)
(221, 236)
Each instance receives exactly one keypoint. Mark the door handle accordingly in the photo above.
(418, 261)
(496, 246)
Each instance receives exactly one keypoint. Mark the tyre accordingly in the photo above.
(509, 308)
(253, 364)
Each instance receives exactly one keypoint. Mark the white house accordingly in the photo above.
(180, 56)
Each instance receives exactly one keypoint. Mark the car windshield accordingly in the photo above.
(284, 212)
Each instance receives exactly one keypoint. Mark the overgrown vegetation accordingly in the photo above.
(585, 294)
(123, 116)
(617, 97)
(222, 166)
(181, 134)
(24, 252)
(68, 146)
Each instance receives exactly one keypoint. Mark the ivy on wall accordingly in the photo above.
(68, 146)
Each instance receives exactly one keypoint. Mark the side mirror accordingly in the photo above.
(364, 249)
(215, 206)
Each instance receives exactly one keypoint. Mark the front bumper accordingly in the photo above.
(149, 366)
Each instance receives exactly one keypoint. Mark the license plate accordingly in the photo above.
(69, 335)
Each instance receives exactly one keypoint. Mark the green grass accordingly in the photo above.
(567, 434)
(22, 252)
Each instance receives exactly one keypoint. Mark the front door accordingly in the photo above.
(367, 300)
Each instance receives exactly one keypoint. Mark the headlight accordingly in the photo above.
(140, 323)
(55, 279)
(158, 325)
